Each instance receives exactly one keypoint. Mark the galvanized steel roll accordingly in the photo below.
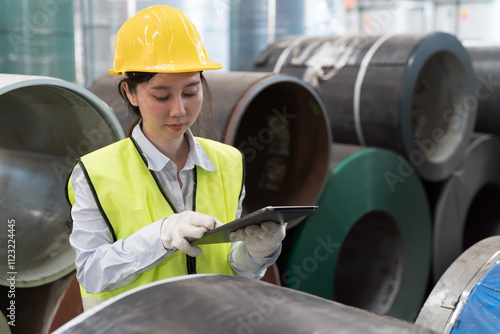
(369, 245)
(227, 304)
(277, 121)
(45, 124)
(467, 207)
(486, 64)
(442, 309)
(407, 93)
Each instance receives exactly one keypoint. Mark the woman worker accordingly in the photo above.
(136, 201)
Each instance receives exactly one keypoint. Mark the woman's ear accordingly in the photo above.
(132, 97)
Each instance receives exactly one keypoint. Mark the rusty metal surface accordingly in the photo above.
(228, 304)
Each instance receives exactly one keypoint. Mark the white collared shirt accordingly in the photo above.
(104, 265)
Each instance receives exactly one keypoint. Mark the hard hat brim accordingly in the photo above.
(209, 67)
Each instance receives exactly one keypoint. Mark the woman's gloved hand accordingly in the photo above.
(187, 224)
(260, 240)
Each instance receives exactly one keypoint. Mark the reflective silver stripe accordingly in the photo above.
(286, 52)
(359, 81)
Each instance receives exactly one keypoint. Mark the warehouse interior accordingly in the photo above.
(382, 113)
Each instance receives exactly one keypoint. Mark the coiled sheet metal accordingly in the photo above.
(369, 244)
(443, 308)
(486, 64)
(227, 304)
(45, 124)
(467, 209)
(408, 93)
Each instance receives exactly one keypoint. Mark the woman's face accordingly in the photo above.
(169, 103)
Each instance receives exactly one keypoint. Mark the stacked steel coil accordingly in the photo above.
(404, 189)
(46, 124)
(466, 209)
(369, 244)
(407, 93)
(417, 96)
(486, 64)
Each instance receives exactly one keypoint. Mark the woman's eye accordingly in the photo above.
(161, 98)
(189, 94)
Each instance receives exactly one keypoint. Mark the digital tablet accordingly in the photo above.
(278, 214)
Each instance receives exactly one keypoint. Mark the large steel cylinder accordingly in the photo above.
(467, 210)
(486, 64)
(227, 304)
(407, 93)
(45, 124)
(450, 296)
(369, 245)
(277, 121)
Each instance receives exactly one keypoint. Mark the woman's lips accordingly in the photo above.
(176, 127)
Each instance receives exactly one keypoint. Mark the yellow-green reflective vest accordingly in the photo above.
(129, 197)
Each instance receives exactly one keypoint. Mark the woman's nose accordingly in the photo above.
(177, 108)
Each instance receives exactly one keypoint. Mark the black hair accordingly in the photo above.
(135, 78)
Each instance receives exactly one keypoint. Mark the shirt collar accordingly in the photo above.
(157, 160)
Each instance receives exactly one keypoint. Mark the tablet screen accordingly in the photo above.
(278, 214)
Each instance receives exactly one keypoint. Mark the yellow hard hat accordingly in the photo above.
(160, 39)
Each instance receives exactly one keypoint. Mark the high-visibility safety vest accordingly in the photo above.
(129, 197)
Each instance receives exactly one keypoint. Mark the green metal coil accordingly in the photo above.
(369, 245)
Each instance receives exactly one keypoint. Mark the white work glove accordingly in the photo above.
(187, 224)
(260, 240)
